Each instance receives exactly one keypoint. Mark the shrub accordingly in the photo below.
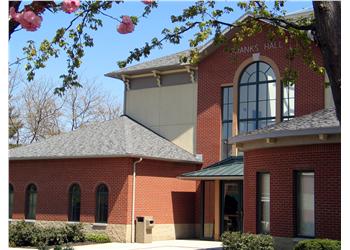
(28, 234)
(318, 244)
(97, 237)
(245, 241)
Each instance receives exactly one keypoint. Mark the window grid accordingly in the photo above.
(74, 203)
(263, 204)
(227, 110)
(250, 121)
(102, 204)
(10, 201)
(305, 204)
(288, 102)
(31, 200)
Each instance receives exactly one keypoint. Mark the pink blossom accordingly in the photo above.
(70, 6)
(126, 26)
(28, 19)
(148, 2)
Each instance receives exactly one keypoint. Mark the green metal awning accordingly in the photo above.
(228, 169)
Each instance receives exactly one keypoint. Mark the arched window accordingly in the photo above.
(74, 203)
(10, 200)
(257, 97)
(31, 200)
(102, 203)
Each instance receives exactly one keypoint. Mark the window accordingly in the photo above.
(74, 203)
(288, 102)
(264, 203)
(227, 109)
(257, 97)
(305, 204)
(31, 200)
(10, 201)
(102, 203)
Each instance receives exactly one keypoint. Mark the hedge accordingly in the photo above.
(246, 241)
(318, 244)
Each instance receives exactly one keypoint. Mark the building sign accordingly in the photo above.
(249, 49)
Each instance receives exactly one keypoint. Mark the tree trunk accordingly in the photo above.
(328, 34)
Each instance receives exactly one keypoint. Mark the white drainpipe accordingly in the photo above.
(133, 201)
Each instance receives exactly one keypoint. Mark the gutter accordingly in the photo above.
(133, 200)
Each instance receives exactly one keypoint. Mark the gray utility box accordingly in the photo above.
(144, 226)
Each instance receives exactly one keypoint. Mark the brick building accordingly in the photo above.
(224, 146)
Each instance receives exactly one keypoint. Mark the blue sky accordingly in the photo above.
(111, 46)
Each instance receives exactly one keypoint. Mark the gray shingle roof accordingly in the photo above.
(230, 167)
(322, 121)
(121, 137)
(162, 63)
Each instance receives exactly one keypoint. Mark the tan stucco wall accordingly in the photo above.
(168, 110)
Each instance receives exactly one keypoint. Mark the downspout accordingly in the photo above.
(133, 200)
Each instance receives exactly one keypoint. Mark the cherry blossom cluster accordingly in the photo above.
(30, 18)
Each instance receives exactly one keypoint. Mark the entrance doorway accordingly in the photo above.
(231, 206)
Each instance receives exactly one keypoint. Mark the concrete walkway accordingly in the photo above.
(158, 245)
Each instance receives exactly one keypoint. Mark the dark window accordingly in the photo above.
(10, 201)
(305, 204)
(257, 97)
(264, 203)
(31, 200)
(227, 110)
(102, 203)
(74, 203)
(288, 102)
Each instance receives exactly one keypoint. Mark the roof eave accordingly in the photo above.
(285, 133)
(225, 177)
(102, 156)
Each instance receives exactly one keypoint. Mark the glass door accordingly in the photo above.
(231, 206)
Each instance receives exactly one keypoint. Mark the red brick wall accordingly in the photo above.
(323, 159)
(158, 191)
(220, 67)
(160, 194)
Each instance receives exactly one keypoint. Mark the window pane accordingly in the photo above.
(262, 108)
(271, 92)
(251, 68)
(230, 94)
(225, 97)
(291, 91)
(74, 203)
(270, 75)
(243, 110)
(243, 127)
(263, 67)
(262, 77)
(285, 107)
(230, 111)
(251, 110)
(252, 78)
(224, 131)
(271, 108)
(291, 107)
(306, 209)
(225, 112)
(261, 123)
(251, 126)
(244, 78)
(262, 91)
(252, 93)
(243, 93)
